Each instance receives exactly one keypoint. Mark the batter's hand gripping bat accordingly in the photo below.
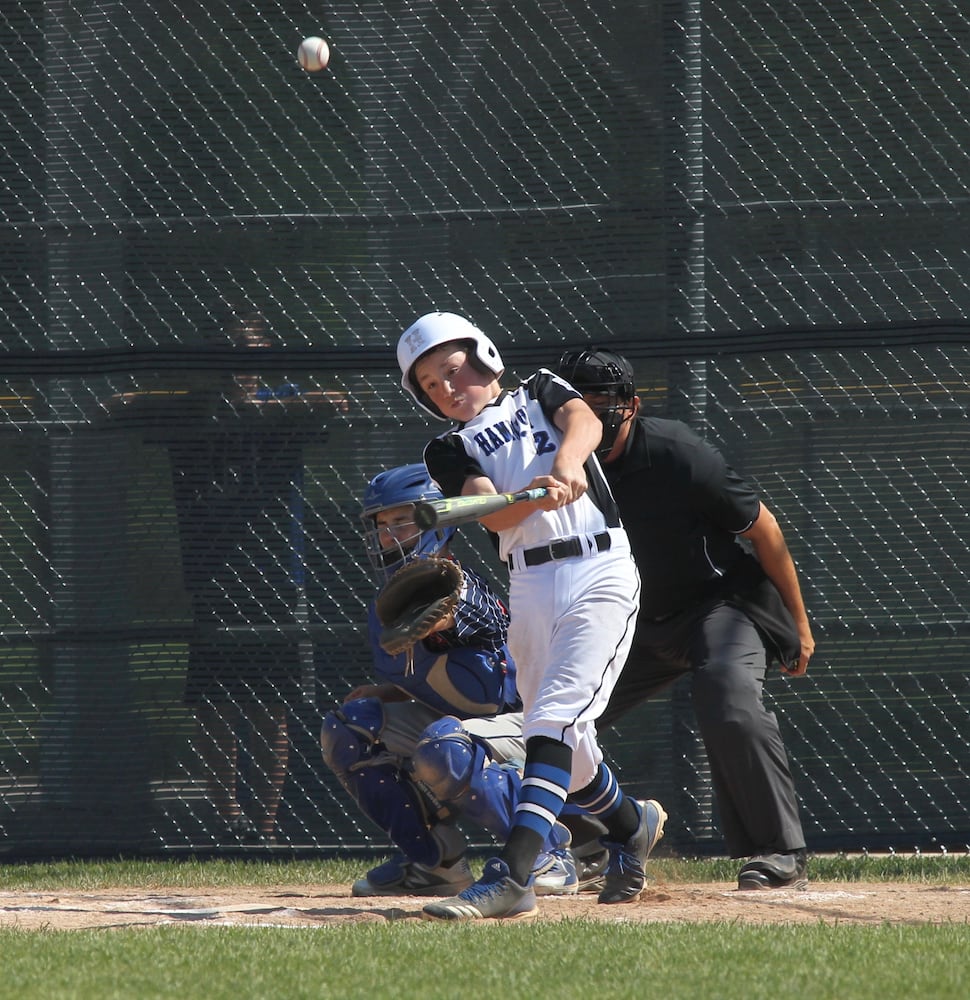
(457, 510)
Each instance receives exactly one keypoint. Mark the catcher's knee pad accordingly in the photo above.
(458, 771)
(445, 757)
(348, 733)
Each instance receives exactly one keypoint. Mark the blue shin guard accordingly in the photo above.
(458, 771)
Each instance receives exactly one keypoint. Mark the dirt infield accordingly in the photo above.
(328, 905)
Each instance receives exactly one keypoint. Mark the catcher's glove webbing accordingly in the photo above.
(419, 596)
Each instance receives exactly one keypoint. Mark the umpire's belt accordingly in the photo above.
(561, 548)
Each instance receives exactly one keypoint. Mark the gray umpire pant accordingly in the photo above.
(722, 650)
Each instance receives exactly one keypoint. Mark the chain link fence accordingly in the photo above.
(763, 204)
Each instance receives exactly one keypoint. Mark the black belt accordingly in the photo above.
(564, 548)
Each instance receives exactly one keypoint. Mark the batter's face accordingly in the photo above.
(453, 384)
(396, 530)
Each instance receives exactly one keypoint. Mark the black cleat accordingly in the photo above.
(625, 875)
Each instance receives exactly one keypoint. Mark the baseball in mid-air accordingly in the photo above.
(314, 54)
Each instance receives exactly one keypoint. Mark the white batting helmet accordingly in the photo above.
(433, 330)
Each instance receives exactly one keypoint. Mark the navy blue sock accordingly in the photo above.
(545, 782)
(604, 798)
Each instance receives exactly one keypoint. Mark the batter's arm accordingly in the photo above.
(581, 433)
(509, 517)
(771, 549)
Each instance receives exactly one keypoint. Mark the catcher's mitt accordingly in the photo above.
(417, 597)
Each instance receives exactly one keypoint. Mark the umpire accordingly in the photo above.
(708, 607)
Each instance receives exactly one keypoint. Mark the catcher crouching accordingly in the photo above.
(438, 737)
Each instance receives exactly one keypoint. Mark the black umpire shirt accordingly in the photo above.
(683, 507)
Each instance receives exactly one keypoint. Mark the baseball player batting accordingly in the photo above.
(573, 596)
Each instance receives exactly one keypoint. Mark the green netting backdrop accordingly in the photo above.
(763, 204)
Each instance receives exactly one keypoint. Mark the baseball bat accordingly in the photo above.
(457, 510)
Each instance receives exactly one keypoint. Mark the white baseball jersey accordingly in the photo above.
(512, 441)
(572, 619)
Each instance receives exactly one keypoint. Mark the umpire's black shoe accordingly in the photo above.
(402, 877)
(775, 871)
(625, 875)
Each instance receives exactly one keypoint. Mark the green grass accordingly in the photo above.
(529, 961)
(192, 873)
(425, 961)
(188, 874)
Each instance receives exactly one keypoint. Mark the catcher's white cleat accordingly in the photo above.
(554, 873)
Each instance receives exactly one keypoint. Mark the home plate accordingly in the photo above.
(787, 895)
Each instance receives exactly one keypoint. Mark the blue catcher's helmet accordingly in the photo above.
(406, 484)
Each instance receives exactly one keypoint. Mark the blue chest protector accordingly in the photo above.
(465, 671)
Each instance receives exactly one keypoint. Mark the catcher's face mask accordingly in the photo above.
(397, 534)
(395, 539)
(391, 536)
